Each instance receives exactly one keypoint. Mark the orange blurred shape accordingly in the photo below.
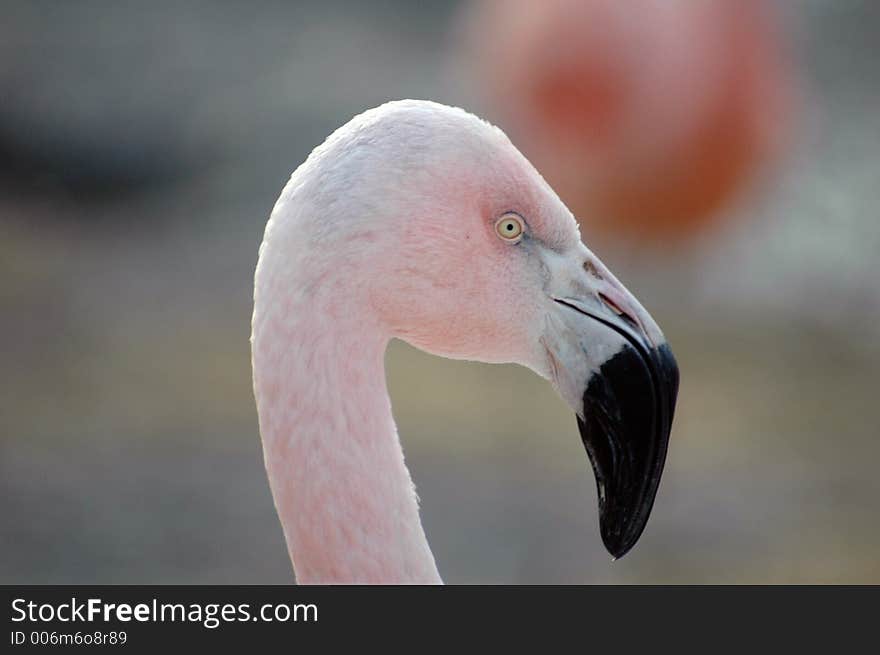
(647, 116)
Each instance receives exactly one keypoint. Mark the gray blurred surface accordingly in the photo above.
(141, 151)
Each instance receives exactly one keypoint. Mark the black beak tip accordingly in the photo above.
(616, 542)
(628, 408)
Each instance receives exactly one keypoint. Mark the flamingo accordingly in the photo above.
(422, 222)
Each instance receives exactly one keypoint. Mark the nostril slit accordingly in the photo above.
(613, 306)
(629, 318)
(590, 268)
(617, 310)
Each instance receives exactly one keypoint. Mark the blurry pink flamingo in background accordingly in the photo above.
(647, 116)
(422, 222)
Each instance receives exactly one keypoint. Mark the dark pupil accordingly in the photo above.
(509, 227)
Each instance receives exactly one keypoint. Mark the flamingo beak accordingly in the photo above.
(623, 388)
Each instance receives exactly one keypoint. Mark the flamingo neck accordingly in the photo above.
(335, 464)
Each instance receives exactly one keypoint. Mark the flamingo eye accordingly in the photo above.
(510, 228)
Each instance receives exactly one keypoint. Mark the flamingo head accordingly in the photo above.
(463, 250)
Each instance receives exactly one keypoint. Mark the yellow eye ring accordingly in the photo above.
(510, 228)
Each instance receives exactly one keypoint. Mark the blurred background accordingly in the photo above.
(723, 159)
